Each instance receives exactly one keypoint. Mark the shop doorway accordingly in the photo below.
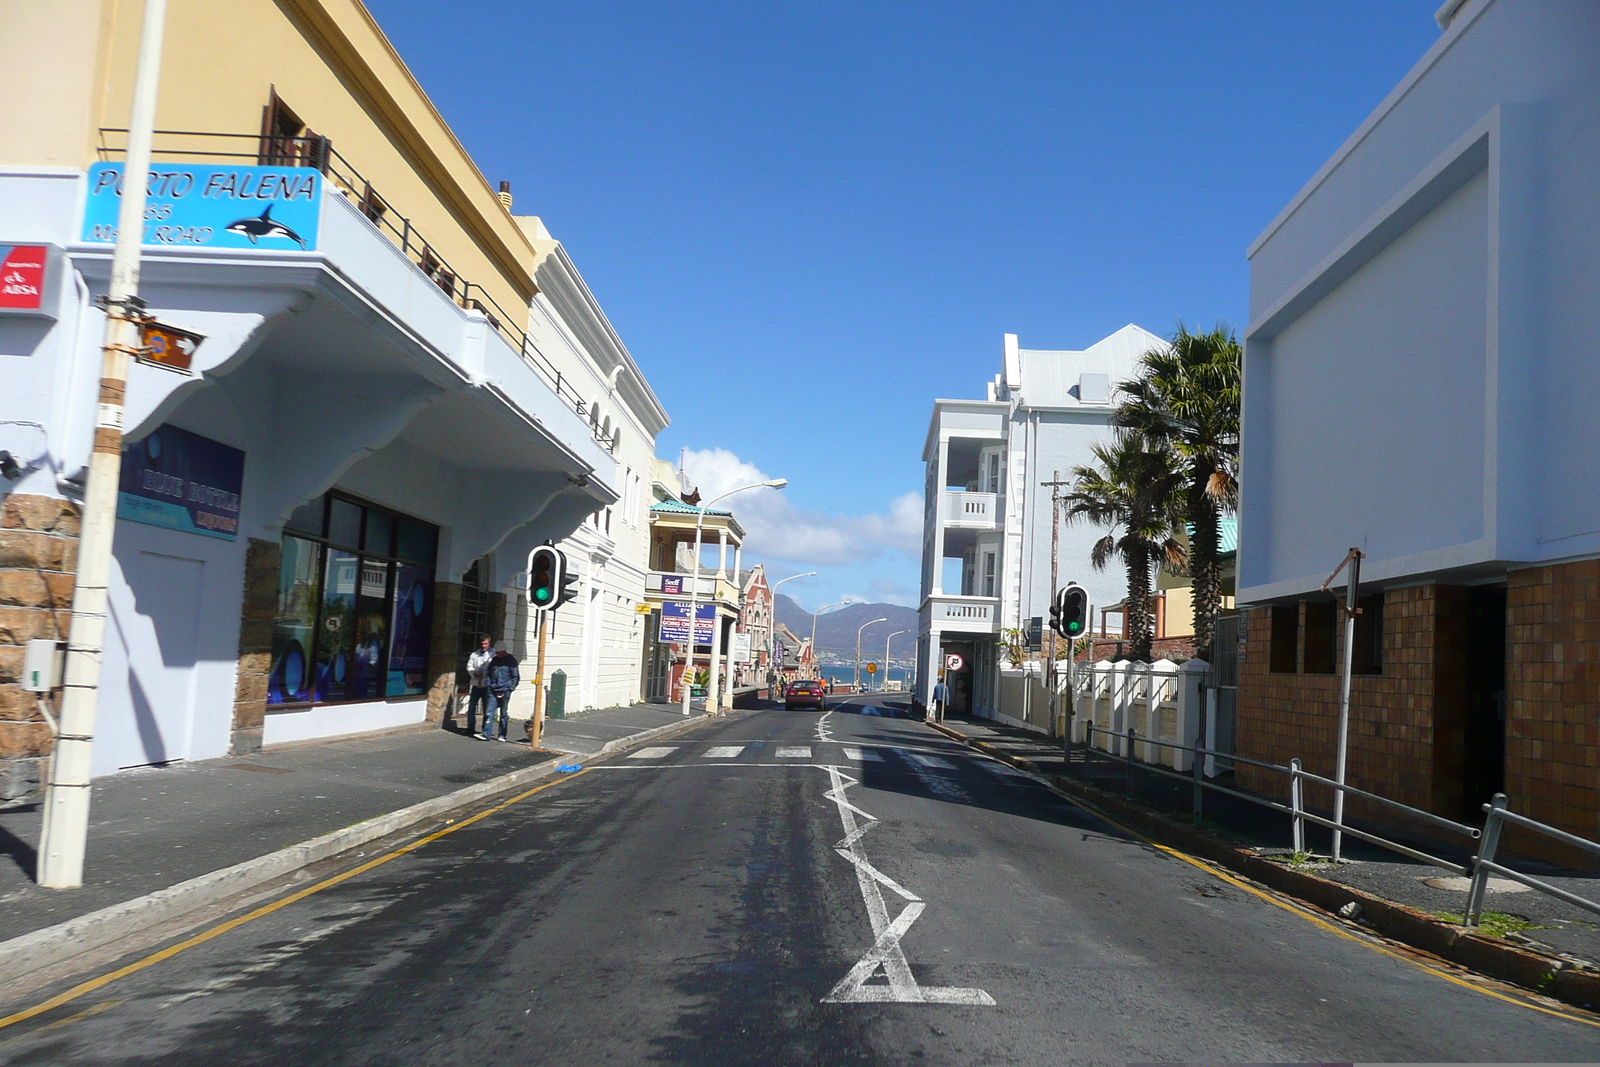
(1484, 725)
(657, 660)
(958, 683)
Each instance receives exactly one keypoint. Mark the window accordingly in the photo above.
(988, 574)
(992, 479)
(285, 140)
(355, 605)
(1283, 655)
(1322, 636)
(1369, 636)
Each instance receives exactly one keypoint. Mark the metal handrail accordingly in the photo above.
(376, 208)
(1295, 808)
(1481, 865)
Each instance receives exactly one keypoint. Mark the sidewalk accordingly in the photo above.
(153, 828)
(1550, 926)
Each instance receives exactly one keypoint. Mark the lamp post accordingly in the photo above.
(819, 611)
(66, 800)
(863, 626)
(772, 624)
(694, 588)
(886, 641)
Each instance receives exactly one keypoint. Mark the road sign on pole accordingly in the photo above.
(872, 668)
(954, 662)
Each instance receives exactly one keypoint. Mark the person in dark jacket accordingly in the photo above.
(503, 677)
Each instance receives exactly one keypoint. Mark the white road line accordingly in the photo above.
(722, 752)
(851, 752)
(929, 761)
(885, 955)
(656, 752)
(794, 752)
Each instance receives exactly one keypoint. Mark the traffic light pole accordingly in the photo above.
(536, 725)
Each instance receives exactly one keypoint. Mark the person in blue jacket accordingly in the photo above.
(502, 677)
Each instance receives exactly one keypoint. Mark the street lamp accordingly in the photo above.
(772, 623)
(814, 615)
(886, 641)
(863, 626)
(694, 590)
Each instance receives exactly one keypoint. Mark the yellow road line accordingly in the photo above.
(1296, 910)
(267, 909)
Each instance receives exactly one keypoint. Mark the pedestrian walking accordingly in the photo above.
(940, 693)
(478, 682)
(503, 677)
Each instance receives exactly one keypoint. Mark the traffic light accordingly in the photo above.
(1069, 614)
(547, 569)
(569, 583)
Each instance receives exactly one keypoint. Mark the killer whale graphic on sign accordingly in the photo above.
(263, 225)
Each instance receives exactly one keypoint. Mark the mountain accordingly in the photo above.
(836, 629)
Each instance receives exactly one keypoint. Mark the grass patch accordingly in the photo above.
(1493, 923)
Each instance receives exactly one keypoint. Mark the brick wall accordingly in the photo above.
(1553, 700)
(444, 645)
(38, 558)
(1394, 742)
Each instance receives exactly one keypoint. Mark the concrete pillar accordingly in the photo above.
(722, 553)
(713, 692)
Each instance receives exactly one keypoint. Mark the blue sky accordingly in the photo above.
(808, 220)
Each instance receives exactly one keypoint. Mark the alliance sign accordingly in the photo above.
(199, 205)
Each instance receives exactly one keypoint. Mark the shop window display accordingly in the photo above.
(355, 605)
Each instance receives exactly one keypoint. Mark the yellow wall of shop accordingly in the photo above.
(221, 59)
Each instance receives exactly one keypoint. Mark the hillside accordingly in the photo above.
(836, 629)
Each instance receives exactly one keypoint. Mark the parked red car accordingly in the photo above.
(805, 694)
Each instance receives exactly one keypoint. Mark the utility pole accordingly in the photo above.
(66, 805)
(1055, 483)
(1348, 607)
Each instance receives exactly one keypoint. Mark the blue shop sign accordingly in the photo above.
(182, 481)
(199, 205)
(675, 622)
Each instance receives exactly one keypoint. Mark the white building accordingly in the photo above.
(1419, 382)
(598, 639)
(986, 526)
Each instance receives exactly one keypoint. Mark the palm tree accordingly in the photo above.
(1133, 488)
(1186, 399)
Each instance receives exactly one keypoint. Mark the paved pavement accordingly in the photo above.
(1554, 925)
(787, 888)
(154, 827)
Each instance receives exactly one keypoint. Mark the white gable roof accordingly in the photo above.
(1052, 379)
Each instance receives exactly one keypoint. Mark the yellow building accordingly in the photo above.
(374, 429)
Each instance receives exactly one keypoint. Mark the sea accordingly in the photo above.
(845, 675)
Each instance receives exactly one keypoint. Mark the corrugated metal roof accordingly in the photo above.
(677, 508)
(1227, 534)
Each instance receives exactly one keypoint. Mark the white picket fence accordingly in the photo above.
(1160, 700)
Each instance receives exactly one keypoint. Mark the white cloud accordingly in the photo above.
(775, 529)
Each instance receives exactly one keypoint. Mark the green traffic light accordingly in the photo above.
(541, 594)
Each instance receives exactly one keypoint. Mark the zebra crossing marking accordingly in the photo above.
(794, 752)
(722, 752)
(861, 755)
(655, 752)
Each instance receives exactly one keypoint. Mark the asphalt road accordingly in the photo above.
(764, 891)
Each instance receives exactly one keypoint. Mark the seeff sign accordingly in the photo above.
(198, 205)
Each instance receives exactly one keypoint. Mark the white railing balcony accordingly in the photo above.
(971, 511)
(964, 614)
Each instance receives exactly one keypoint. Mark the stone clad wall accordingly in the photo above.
(1393, 735)
(1553, 701)
(261, 564)
(38, 560)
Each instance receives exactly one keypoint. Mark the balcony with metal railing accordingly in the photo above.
(317, 152)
